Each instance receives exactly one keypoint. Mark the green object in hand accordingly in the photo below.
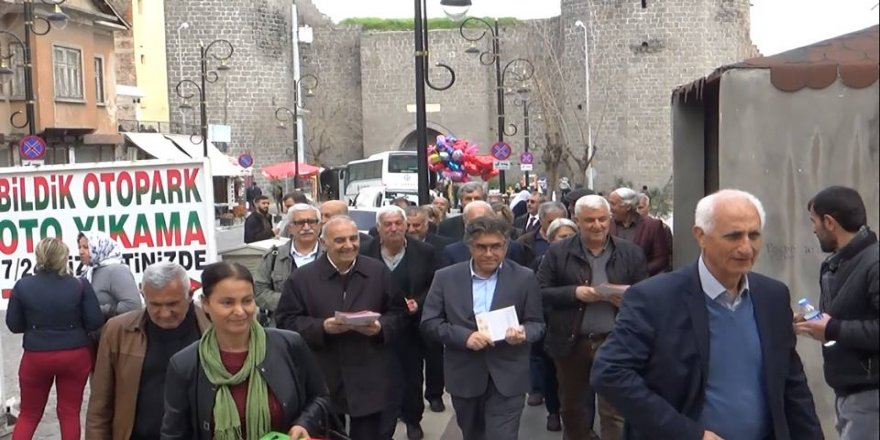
(275, 436)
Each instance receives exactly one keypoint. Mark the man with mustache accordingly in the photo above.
(279, 262)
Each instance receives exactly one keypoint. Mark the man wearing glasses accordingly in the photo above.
(279, 262)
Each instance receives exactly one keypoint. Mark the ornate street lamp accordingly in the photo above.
(284, 114)
(523, 101)
(225, 50)
(59, 18)
(519, 70)
(421, 59)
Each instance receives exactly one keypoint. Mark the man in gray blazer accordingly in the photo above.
(487, 379)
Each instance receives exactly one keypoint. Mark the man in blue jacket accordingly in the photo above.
(708, 352)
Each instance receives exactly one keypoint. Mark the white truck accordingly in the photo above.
(157, 210)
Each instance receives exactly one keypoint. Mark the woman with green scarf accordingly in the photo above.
(241, 381)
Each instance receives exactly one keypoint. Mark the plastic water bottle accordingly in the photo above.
(810, 313)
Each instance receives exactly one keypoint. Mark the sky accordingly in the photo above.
(777, 25)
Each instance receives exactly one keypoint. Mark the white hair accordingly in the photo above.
(476, 204)
(160, 275)
(300, 207)
(704, 215)
(558, 223)
(628, 197)
(337, 219)
(592, 201)
(390, 209)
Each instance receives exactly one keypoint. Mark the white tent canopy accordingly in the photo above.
(221, 164)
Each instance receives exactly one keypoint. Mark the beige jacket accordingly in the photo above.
(120, 359)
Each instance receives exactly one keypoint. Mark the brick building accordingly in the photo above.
(639, 50)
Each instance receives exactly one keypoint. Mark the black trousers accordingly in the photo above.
(434, 381)
(365, 427)
(409, 355)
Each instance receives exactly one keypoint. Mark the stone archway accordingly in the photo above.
(409, 142)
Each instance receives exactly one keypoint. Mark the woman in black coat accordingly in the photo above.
(55, 311)
(241, 381)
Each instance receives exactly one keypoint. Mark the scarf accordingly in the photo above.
(227, 425)
(103, 251)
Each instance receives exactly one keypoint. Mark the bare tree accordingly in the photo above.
(328, 128)
(565, 127)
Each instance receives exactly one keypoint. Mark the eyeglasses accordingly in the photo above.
(485, 248)
(309, 221)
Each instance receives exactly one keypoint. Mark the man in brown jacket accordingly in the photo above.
(127, 388)
(646, 232)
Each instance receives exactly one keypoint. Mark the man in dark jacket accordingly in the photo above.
(258, 225)
(458, 252)
(412, 266)
(850, 302)
(357, 361)
(579, 316)
(453, 227)
(646, 232)
(529, 221)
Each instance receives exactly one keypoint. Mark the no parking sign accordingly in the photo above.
(32, 148)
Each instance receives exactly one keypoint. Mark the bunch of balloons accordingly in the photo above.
(457, 159)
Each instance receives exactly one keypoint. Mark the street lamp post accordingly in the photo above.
(284, 114)
(30, 20)
(421, 67)
(581, 25)
(524, 102)
(520, 69)
(206, 77)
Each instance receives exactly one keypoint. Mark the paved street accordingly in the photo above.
(436, 425)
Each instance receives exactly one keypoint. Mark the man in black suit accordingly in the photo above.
(412, 266)
(489, 377)
(356, 360)
(417, 229)
(530, 221)
(453, 227)
(708, 351)
(458, 251)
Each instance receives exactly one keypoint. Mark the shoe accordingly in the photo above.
(414, 431)
(437, 405)
(553, 423)
(535, 399)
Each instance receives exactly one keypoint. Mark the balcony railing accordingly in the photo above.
(135, 126)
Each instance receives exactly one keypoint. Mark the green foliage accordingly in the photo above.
(406, 24)
(661, 198)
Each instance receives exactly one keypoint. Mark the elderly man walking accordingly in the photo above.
(128, 386)
(708, 351)
(644, 231)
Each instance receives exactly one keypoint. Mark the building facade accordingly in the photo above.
(73, 81)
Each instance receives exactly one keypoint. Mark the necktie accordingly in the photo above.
(530, 223)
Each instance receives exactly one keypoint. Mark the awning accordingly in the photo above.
(221, 164)
(132, 91)
(156, 145)
(285, 170)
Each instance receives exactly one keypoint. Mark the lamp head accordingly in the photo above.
(58, 18)
(579, 24)
(455, 9)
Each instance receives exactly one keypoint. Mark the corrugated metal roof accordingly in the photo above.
(853, 57)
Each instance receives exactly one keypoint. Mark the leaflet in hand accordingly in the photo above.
(494, 324)
(357, 319)
(608, 290)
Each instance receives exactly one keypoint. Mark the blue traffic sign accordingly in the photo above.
(246, 160)
(501, 151)
(32, 147)
(527, 158)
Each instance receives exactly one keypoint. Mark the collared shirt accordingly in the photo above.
(627, 232)
(337, 267)
(531, 222)
(303, 259)
(717, 292)
(484, 290)
(598, 316)
(393, 260)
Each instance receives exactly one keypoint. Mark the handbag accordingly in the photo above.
(332, 427)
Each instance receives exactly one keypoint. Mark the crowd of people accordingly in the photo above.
(341, 334)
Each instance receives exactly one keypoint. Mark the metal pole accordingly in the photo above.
(28, 67)
(295, 134)
(526, 133)
(499, 92)
(203, 108)
(421, 118)
(587, 107)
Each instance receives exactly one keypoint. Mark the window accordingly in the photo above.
(403, 163)
(15, 87)
(68, 73)
(99, 80)
(56, 154)
(94, 153)
(365, 171)
(5, 155)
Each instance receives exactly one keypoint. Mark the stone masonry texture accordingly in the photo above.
(638, 55)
